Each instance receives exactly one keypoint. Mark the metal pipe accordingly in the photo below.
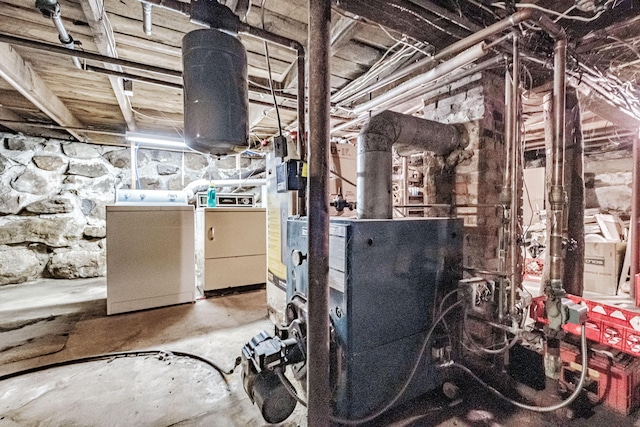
(464, 58)
(128, 64)
(299, 48)
(635, 221)
(555, 290)
(63, 35)
(172, 5)
(505, 194)
(253, 182)
(408, 134)
(302, 126)
(147, 9)
(135, 77)
(459, 46)
(419, 91)
(301, 143)
(318, 387)
(51, 48)
(514, 223)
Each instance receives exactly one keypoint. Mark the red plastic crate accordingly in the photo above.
(612, 382)
(606, 324)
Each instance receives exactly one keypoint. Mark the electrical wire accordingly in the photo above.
(384, 64)
(161, 119)
(121, 354)
(292, 391)
(268, 59)
(261, 86)
(358, 421)
(560, 15)
(403, 42)
(507, 346)
(407, 381)
(564, 403)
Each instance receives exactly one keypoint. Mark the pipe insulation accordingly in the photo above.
(428, 87)
(462, 59)
(408, 135)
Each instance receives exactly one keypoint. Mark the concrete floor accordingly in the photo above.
(50, 321)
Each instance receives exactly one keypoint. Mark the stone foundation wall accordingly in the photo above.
(53, 196)
(608, 180)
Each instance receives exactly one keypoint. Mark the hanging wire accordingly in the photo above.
(560, 15)
(266, 54)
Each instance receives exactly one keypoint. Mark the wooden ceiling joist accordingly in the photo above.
(105, 41)
(20, 74)
(6, 114)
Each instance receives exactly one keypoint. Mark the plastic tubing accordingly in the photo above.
(566, 402)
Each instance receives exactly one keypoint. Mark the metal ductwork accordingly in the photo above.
(216, 100)
(408, 135)
(51, 9)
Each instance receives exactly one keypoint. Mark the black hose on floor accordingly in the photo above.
(119, 354)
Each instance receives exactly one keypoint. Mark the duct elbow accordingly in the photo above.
(410, 135)
(550, 27)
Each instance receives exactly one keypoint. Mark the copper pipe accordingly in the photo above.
(635, 222)
(516, 171)
(457, 47)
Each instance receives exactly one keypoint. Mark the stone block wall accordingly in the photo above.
(608, 182)
(53, 197)
(608, 179)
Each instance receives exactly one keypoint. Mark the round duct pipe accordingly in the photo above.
(374, 160)
(216, 101)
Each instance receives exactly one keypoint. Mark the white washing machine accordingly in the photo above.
(150, 251)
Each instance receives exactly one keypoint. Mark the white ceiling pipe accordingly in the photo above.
(254, 182)
(464, 58)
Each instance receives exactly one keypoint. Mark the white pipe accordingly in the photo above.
(254, 182)
(64, 36)
(427, 88)
(147, 9)
(466, 57)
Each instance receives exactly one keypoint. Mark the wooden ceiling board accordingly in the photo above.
(91, 98)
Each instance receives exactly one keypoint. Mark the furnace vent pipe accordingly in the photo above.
(374, 159)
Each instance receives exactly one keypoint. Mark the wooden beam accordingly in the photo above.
(20, 74)
(595, 103)
(105, 41)
(342, 32)
(7, 114)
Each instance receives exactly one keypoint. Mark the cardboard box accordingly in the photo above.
(342, 175)
(602, 264)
